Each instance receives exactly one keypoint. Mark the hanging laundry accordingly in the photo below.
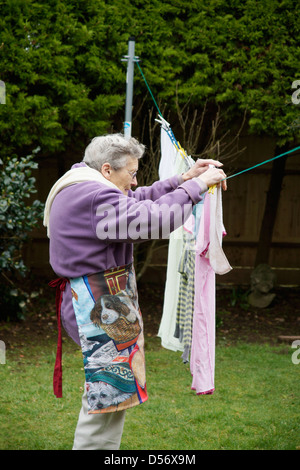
(216, 255)
(195, 255)
(169, 156)
(186, 268)
(168, 320)
(171, 163)
(209, 260)
(185, 305)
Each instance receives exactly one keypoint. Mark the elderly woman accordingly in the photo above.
(93, 218)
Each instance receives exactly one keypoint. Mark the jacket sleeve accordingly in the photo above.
(157, 189)
(120, 218)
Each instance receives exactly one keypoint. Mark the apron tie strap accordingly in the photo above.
(60, 284)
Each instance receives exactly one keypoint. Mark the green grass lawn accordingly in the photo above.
(255, 404)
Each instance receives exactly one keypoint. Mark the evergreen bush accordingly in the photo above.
(18, 216)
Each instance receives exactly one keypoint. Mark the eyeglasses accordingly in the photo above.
(132, 174)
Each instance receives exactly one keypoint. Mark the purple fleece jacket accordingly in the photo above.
(92, 227)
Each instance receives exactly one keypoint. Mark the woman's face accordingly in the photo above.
(125, 177)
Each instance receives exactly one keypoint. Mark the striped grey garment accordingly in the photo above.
(185, 305)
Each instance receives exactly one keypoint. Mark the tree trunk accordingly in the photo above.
(272, 201)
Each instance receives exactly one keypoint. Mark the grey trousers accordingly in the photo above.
(98, 431)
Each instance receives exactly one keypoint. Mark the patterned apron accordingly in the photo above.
(111, 335)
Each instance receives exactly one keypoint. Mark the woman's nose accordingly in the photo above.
(134, 181)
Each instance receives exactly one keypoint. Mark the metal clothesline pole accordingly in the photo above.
(2, 92)
(130, 59)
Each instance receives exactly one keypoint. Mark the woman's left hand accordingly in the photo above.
(200, 167)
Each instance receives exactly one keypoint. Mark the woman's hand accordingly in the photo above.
(214, 176)
(200, 167)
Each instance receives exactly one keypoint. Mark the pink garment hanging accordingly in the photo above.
(208, 252)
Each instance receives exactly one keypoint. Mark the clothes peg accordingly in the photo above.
(211, 189)
(165, 125)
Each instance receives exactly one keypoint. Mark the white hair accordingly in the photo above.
(113, 149)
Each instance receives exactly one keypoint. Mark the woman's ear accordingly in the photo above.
(106, 170)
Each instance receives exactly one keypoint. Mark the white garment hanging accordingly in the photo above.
(171, 163)
(168, 320)
(169, 155)
(215, 253)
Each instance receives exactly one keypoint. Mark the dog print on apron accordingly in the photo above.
(111, 336)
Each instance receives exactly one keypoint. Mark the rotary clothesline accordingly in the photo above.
(188, 319)
(182, 151)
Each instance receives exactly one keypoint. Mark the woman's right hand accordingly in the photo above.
(214, 176)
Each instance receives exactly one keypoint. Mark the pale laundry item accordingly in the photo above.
(202, 362)
(169, 154)
(171, 163)
(168, 320)
(209, 260)
(215, 253)
(185, 307)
